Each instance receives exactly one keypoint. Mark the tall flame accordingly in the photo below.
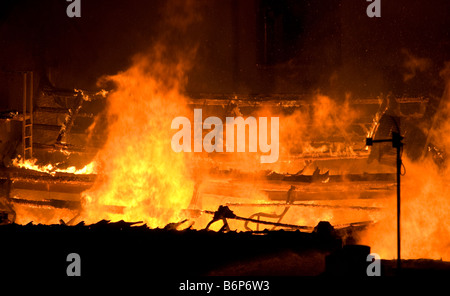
(138, 169)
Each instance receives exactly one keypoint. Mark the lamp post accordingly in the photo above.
(396, 143)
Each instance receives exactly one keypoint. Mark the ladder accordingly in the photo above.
(27, 123)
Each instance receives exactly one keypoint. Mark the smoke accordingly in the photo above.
(414, 65)
(441, 126)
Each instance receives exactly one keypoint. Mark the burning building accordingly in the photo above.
(88, 108)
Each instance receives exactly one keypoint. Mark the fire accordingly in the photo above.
(30, 164)
(425, 202)
(140, 177)
(138, 170)
(425, 227)
(323, 119)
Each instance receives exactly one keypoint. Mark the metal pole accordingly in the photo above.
(396, 143)
(399, 166)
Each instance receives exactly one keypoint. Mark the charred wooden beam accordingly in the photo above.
(53, 203)
(25, 174)
(64, 204)
(279, 204)
(67, 147)
(48, 127)
(71, 93)
(62, 111)
(300, 177)
(55, 186)
(280, 100)
(330, 195)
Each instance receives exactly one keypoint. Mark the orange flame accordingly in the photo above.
(30, 164)
(425, 203)
(138, 169)
(425, 227)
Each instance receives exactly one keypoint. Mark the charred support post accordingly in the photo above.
(396, 143)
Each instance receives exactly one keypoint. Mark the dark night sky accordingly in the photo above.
(324, 44)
